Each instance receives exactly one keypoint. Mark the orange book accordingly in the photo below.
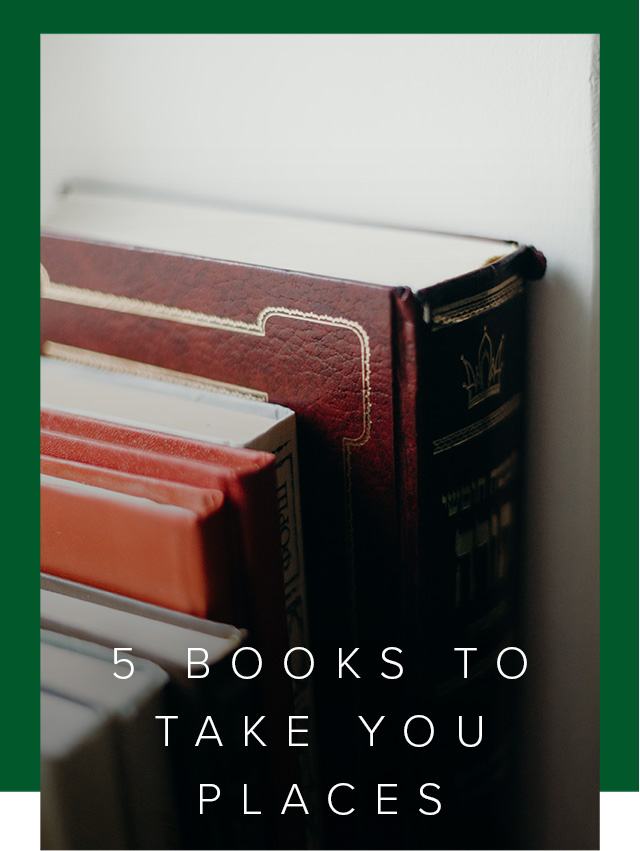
(162, 542)
(245, 477)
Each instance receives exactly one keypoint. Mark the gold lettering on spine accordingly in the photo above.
(483, 538)
(476, 491)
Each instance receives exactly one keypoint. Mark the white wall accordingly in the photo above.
(491, 135)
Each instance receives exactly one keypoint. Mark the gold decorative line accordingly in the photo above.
(151, 310)
(85, 357)
(479, 427)
(148, 309)
(468, 308)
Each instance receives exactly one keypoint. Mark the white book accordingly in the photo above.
(84, 672)
(164, 637)
(81, 799)
(154, 633)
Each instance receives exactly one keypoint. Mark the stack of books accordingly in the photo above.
(309, 430)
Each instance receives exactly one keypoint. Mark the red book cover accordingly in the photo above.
(244, 476)
(165, 543)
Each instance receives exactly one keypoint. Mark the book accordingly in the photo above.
(403, 356)
(163, 637)
(138, 395)
(78, 802)
(245, 477)
(164, 543)
(83, 672)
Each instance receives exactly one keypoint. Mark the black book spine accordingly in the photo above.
(470, 405)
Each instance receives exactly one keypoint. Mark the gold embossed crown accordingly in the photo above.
(483, 380)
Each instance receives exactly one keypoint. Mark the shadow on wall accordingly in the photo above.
(559, 718)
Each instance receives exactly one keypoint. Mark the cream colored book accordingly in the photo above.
(82, 801)
(164, 638)
(84, 672)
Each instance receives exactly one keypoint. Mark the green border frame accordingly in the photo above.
(19, 711)
(619, 407)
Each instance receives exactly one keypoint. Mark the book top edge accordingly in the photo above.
(371, 254)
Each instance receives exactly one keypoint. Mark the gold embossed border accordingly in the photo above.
(151, 310)
(476, 305)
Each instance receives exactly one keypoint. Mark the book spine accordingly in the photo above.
(164, 554)
(78, 802)
(406, 317)
(460, 414)
(469, 421)
(281, 440)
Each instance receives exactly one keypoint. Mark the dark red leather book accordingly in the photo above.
(247, 480)
(409, 399)
(162, 542)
